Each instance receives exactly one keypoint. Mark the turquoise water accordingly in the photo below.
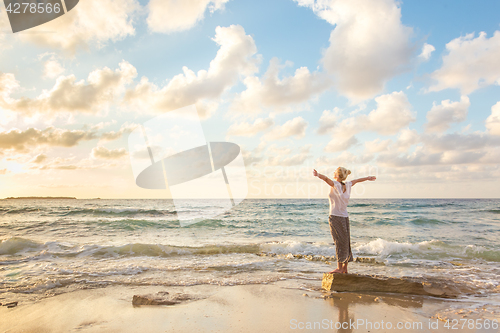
(51, 246)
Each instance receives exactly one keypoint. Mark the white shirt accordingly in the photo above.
(339, 199)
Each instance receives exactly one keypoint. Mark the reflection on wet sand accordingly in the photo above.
(342, 301)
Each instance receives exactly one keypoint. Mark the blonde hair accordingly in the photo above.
(342, 173)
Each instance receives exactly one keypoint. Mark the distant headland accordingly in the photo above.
(38, 198)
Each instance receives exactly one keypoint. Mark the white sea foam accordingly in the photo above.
(381, 247)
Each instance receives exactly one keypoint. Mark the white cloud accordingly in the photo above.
(339, 144)
(471, 63)
(368, 46)
(328, 121)
(40, 158)
(177, 15)
(417, 158)
(295, 127)
(271, 91)
(346, 158)
(287, 160)
(441, 177)
(249, 130)
(457, 141)
(422, 158)
(440, 117)
(449, 149)
(427, 50)
(52, 68)
(30, 138)
(8, 84)
(234, 58)
(273, 156)
(68, 94)
(393, 113)
(70, 164)
(91, 22)
(406, 139)
(493, 121)
(251, 158)
(108, 154)
(377, 145)
(126, 128)
(22, 140)
(280, 156)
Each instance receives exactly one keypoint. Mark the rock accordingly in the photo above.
(160, 298)
(151, 300)
(367, 260)
(367, 283)
(10, 305)
(454, 263)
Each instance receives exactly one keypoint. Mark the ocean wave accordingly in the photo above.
(362, 205)
(422, 220)
(295, 248)
(417, 204)
(158, 250)
(23, 210)
(386, 222)
(135, 224)
(17, 244)
(427, 249)
(494, 211)
(381, 248)
(117, 212)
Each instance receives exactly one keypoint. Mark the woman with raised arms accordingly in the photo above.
(340, 193)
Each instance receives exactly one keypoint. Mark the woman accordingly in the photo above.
(340, 193)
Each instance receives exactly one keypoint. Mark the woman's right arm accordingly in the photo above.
(323, 177)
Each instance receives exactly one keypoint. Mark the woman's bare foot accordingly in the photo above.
(335, 271)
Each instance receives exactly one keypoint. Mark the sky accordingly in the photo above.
(407, 91)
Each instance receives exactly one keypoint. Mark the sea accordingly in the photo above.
(52, 246)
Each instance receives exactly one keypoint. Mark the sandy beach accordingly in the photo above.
(277, 307)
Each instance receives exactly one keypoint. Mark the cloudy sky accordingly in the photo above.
(408, 91)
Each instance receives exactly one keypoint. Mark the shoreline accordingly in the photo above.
(285, 306)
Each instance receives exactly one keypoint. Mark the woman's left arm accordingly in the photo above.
(359, 180)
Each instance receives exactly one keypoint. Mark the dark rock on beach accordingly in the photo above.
(161, 298)
(366, 260)
(10, 305)
(151, 300)
(412, 286)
